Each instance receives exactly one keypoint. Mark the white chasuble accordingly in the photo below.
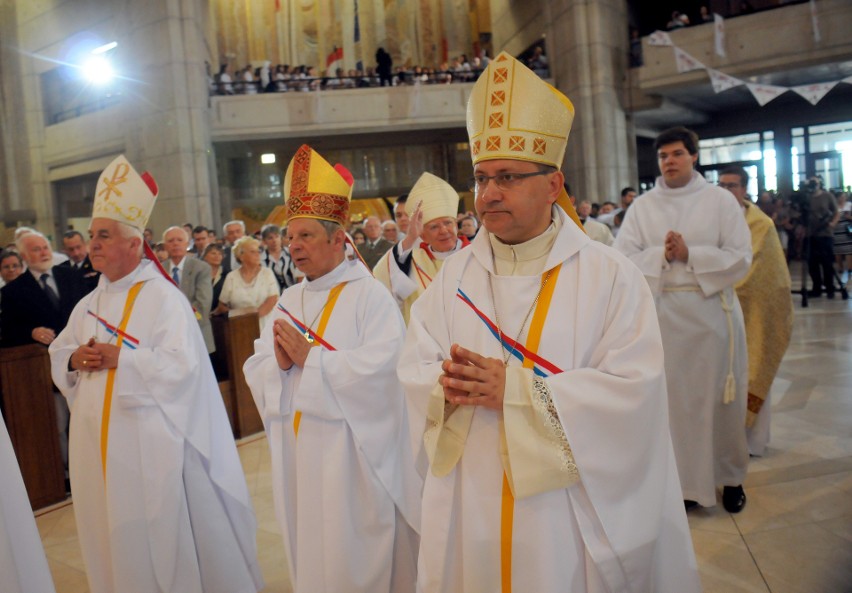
(701, 324)
(407, 282)
(23, 567)
(160, 497)
(346, 494)
(573, 486)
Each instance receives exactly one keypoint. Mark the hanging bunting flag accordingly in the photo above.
(764, 93)
(847, 80)
(685, 62)
(815, 22)
(721, 81)
(814, 92)
(660, 38)
(719, 32)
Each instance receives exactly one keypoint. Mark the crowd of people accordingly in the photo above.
(452, 402)
(282, 78)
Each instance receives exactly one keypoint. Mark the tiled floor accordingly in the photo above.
(794, 536)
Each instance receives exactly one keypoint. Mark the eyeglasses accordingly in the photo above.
(505, 181)
(729, 185)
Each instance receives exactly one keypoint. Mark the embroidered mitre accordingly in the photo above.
(124, 195)
(315, 189)
(514, 114)
(436, 197)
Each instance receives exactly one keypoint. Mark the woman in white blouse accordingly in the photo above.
(250, 286)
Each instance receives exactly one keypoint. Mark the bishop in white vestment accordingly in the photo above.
(323, 377)
(160, 497)
(533, 370)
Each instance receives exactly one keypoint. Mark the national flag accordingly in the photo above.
(335, 56)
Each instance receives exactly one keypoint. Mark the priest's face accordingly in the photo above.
(733, 183)
(113, 251)
(441, 234)
(314, 251)
(676, 164)
(516, 209)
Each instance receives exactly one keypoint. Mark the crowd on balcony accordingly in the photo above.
(281, 78)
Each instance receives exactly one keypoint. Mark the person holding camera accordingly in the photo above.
(823, 210)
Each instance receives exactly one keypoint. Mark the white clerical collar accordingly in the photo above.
(533, 249)
(346, 271)
(695, 184)
(141, 273)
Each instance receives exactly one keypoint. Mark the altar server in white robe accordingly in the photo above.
(408, 268)
(23, 567)
(323, 377)
(550, 466)
(160, 497)
(692, 243)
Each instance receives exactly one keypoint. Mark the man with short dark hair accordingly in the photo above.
(628, 194)
(400, 215)
(691, 242)
(200, 240)
(77, 250)
(276, 257)
(764, 296)
(821, 215)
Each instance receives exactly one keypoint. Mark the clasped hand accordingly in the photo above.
(290, 344)
(95, 356)
(676, 248)
(471, 379)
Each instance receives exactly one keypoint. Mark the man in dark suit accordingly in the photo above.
(36, 307)
(37, 304)
(375, 246)
(77, 250)
(193, 277)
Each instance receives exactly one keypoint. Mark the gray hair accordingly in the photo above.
(242, 243)
(389, 223)
(172, 228)
(21, 237)
(131, 232)
(230, 222)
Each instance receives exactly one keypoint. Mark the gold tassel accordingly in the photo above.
(730, 389)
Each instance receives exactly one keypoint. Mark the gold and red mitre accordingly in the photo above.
(124, 195)
(514, 114)
(315, 189)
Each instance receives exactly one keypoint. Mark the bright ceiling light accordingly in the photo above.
(267, 158)
(105, 48)
(98, 70)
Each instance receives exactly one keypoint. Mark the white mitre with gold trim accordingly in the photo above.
(514, 114)
(436, 197)
(124, 195)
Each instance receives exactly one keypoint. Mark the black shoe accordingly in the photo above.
(733, 498)
(829, 295)
(689, 504)
(814, 294)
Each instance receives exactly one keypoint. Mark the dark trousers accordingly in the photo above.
(821, 263)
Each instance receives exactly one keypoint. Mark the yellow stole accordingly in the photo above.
(326, 314)
(110, 382)
(508, 502)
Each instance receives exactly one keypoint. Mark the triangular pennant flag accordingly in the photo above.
(764, 93)
(814, 92)
(721, 81)
(685, 62)
(719, 32)
(660, 38)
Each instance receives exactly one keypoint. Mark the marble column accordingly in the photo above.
(167, 107)
(587, 46)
